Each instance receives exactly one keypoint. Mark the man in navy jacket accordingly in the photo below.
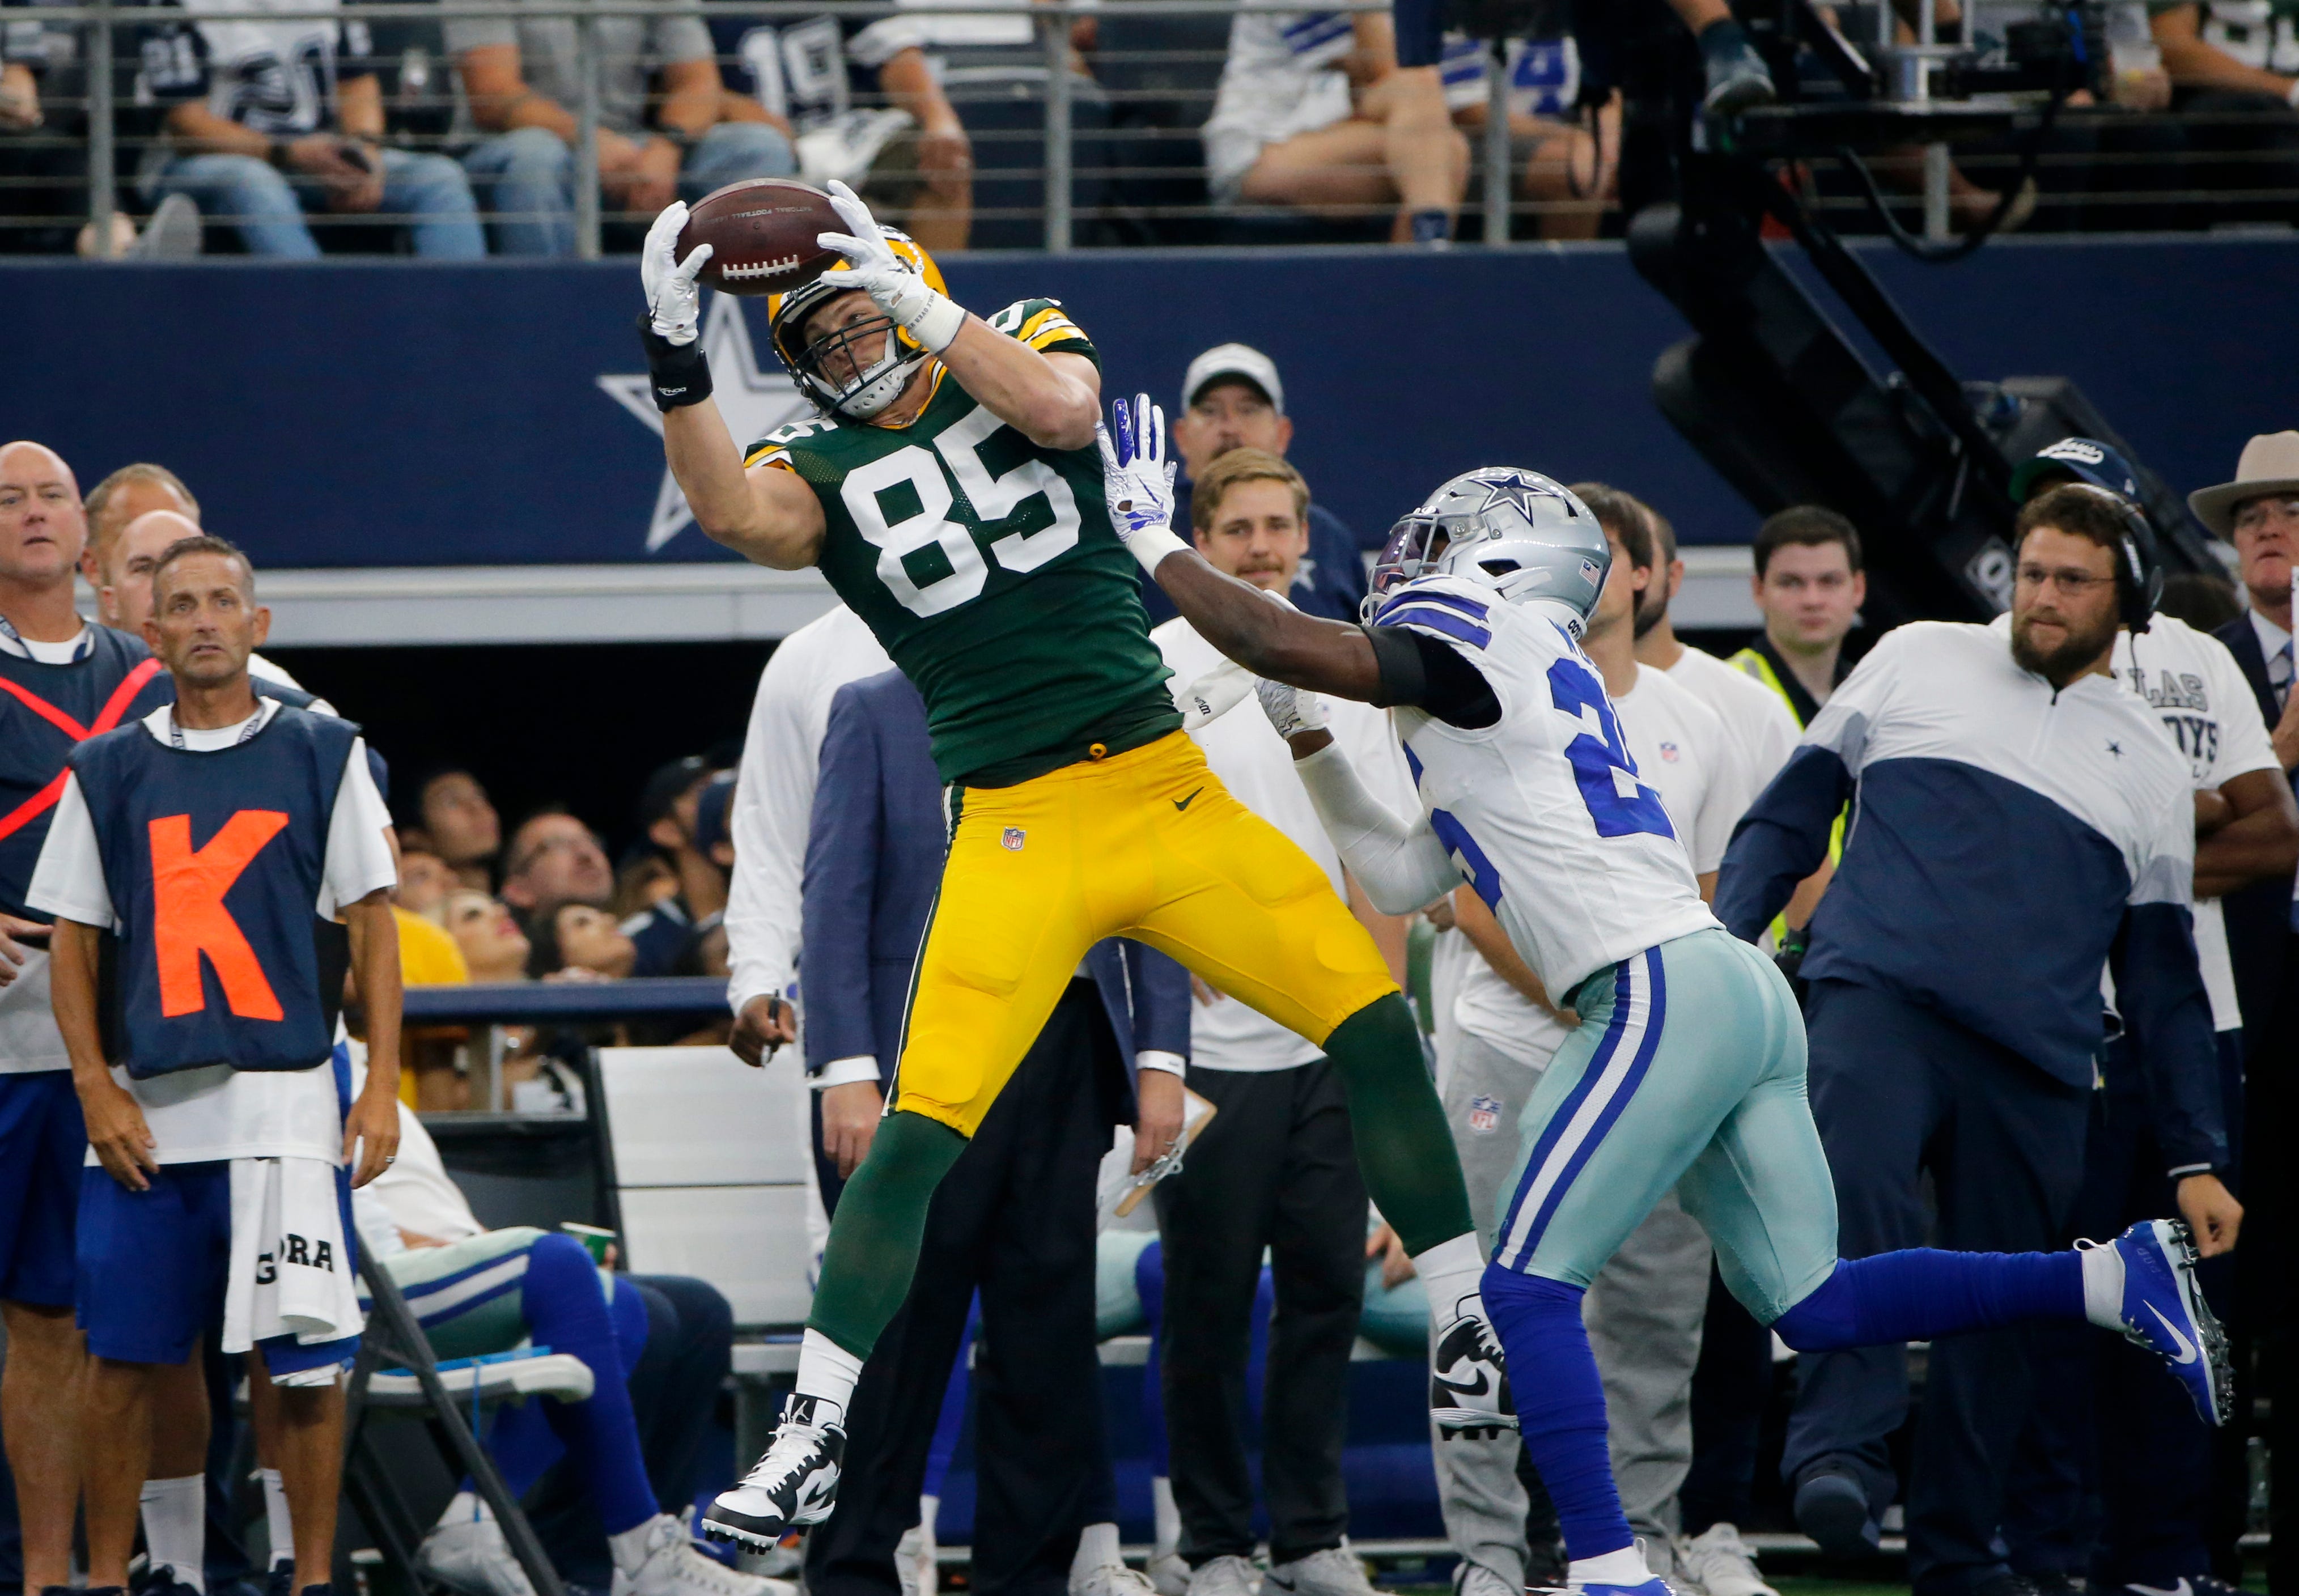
(1014, 1219)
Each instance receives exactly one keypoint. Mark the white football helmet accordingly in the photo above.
(1519, 533)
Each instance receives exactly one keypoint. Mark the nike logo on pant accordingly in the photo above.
(1180, 803)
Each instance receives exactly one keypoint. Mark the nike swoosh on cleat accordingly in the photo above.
(1482, 1385)
(2182, 1589)
(2187, 1347)
(1182, 803)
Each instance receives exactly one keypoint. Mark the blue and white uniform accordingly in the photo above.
(1544, 815)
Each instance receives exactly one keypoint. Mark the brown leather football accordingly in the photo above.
(761, 232)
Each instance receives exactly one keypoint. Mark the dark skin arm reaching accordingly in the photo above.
(1270, 640)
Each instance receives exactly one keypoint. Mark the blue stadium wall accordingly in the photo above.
(388, 414)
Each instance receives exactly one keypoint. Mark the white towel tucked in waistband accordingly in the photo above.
(291, 1274)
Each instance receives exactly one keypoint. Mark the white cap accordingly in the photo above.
(1233, 360)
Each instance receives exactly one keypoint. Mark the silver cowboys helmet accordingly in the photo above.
(1517, 532)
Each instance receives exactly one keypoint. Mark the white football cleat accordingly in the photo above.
(1722, 1564)
(1468, 1379)
(471, 1556)
(674, 1566)
(794, 1485)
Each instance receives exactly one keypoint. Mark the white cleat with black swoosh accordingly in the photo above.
(1468, 1377)
(2165, 1311)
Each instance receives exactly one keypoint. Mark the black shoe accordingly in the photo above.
(2058, 1582)
(1737, 77)
(795, 1484)
(2006, 1583)
(280, 1581)
(163, 1582)
(1832, 1506)
(1546, 1566)
(2189, 1585)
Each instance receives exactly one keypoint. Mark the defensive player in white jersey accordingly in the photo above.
(1687, 1067)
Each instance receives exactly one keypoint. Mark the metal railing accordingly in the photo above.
(1091, 141)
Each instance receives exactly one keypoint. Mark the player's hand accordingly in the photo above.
(1137, 477)
(1213, 694)
(673, 303)
(1293, 711)
(932, 319)
(1396, 1263)
(849, 1120)
(1157, 1116)
(2212, 1212)
(14, 934)
(765, 1024)
(371, 1135)
(116, 1130)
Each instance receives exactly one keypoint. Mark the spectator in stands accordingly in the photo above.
(1954, 1005)
(581, 940)
(668, 805)
(454, 813)
(554, 859)
(1314, 114)
(1277, 1169)
(909, 159)
(2259, 512)
(44, 167)
(1233, 398)
(520, 78)
(2235, 79)
(129, 492)
(124, 601)
(1568, 168)
(425, 882)
(1015, 1218)
(495, 949)
(1809, 587)
(416, 1222)
(267, 164)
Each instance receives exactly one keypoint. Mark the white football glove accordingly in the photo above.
(1213, 694)
(1137, 480)
(1291, 711)
(672, 301)
(933, 319)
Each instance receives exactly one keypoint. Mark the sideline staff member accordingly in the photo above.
(233, 847)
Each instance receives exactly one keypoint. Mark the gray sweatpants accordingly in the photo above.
(1644, 1314)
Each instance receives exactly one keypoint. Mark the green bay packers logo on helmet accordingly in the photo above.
(860, 365)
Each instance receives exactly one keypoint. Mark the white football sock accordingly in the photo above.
(281, 1527)
(176, 1526)
(1626, 1567)
(1168, 1517)
(929, 1510)
(827, 1371)
(2102, 1281)
(1450, 1270)
(465, 1506)
(1096, 1549)
(631, 1549)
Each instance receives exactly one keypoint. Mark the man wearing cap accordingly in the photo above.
(1233, 398)
(2154, 1459)
(2259, 512)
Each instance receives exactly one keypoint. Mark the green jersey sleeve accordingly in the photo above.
(1045, 327)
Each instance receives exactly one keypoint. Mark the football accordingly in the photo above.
(761, 232)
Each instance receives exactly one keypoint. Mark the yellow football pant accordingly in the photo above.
(1148, 844)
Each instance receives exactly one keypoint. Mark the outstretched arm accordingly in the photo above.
(1400, 864)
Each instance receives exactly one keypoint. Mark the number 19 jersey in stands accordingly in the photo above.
(1543, 810)
(986, 566)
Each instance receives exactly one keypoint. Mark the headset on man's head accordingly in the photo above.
(2138, 564)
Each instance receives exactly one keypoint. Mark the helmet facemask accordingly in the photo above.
(869, 388)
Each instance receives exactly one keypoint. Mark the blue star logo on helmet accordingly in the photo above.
(1515, 490)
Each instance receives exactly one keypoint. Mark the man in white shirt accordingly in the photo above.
(1646, 1308)
(215, 1143)
(1277, 1169)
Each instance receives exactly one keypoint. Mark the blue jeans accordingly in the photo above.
(527, 179)
(268, 207)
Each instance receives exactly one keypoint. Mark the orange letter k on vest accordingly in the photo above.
(189, 918)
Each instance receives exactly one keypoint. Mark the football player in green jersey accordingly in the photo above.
(952, 492)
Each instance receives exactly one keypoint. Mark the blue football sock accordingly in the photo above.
(567, 1311)
(1922, 1293)
(1560, 1402)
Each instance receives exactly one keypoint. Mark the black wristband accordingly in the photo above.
(678, 373)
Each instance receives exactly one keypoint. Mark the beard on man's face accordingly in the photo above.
(1652, 605)
(2078, 647)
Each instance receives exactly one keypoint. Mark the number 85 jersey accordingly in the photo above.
(986, 566)
(1542, 810)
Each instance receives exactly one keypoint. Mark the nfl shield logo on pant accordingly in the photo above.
(1012, 839)
(1485, 1115)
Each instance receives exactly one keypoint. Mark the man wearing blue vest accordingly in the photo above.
(62, 680)
(223, 862)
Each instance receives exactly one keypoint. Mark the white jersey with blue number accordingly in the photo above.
(1543, 811)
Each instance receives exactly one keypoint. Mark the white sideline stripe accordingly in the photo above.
(1592, 1107)
(431, 1305)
